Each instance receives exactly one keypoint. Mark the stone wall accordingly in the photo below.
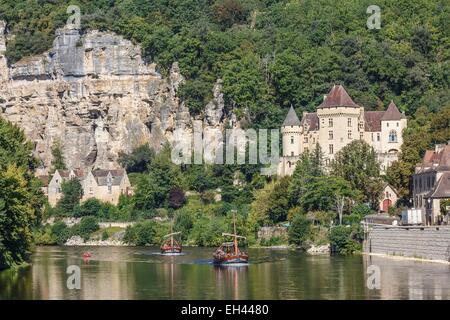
(419, 242)
(269, 232)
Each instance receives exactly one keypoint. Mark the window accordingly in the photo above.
(349, 122)
(387, 124)
(397, 124)
(330, 122)
(378, 137)
(292, 153)
(109, 188)
(327, 162)
(306, 139)
(330, 135)
(289, 164)
(90, 190)
(361, 135)
(292, 140)
(349, 134)
(393, 136)
(372, 137)
(331, 149)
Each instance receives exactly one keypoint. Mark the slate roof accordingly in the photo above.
(435, 161)
(312, 119)
(337, 97)
(392, 113)
(291, 118)
(101, 176)
(442, 188)
(44, 180)
(372, 121)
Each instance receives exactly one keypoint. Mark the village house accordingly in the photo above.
(431, 183)
(104, 185)
(337, 122)
(389, 198)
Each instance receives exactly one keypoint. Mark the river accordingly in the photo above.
(141, 273)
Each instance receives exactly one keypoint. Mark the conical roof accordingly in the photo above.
(337, 97)
(392, 113)
(291, 118)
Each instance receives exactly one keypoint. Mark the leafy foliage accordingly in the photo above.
(21, 200)
(58, 161)
(357, 163)
(72, 193)
(138, 160)
(269, 54)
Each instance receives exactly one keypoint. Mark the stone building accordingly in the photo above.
(104, 185)
(389, 198)
(431, 183)
(337, 122)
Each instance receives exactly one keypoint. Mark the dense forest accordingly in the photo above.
(269, 53)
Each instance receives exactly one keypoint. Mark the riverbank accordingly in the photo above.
(405, 258)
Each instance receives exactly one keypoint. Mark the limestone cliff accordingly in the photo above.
(94, 93)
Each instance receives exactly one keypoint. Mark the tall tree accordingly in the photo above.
(58, 161)
(309, 165)
(21, 200)
(72, 191)
(357, 163)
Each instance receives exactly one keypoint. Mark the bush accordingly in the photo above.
(141, 234)
(300, 230)
(273, 241)
(61, 232)
(86, 227)
(44, 236)
(346, 239)
(105, 235)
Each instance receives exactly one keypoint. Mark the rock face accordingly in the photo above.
(95, 95)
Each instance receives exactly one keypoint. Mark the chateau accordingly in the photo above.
(337, 122)
(104, 185)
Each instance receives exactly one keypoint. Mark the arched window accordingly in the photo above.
(393, 136)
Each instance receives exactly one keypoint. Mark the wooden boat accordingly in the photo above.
(171, 245)
(228, 252)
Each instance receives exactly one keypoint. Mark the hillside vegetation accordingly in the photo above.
(270, 54)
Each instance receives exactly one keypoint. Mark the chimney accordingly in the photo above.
(324, 97)
(438, 148)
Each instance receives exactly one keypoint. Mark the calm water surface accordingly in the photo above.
(141, 273)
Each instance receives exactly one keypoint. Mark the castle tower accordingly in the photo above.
(340, 122)
(393, 122)
(291, 133)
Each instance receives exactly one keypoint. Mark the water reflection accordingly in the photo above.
(136, 273)
(410, 279)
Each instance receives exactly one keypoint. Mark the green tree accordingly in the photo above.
(153, 189)
(138, 160)
(21, 200)
(328, 193)
(72, 192)
(357, 163)
(299, 230)
(309, 165)
(16, 217)
(58, 161)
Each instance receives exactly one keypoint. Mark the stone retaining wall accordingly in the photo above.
(427, 242)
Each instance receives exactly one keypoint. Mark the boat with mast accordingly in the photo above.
(171, 245)
(228, 252)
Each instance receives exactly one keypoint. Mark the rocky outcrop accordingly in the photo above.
(94, 93)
